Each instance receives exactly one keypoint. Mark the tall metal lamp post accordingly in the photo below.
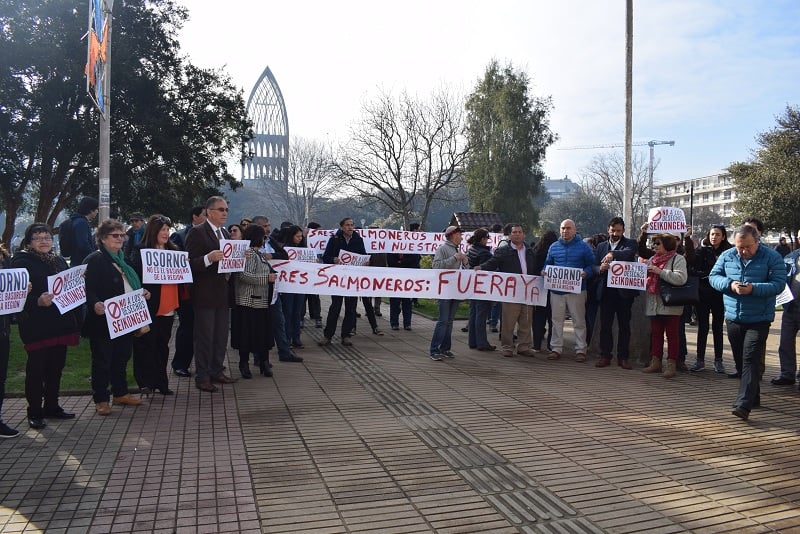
(308, 184)
(690, 190)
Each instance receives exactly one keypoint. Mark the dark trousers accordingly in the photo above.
(109, 364)
(542, 318)
(592, 306)
(292, 314)
(314, 307)
(349, 321)
(210, 342)
(5, 350)
(613, 305)
(748, 342)
(369, 311)
(710, 304)
(151, 353)
(184, 337)
(476, 324)
(396, 305)
(278, 330)
(495, 311)
(43, 379)
(787, 348)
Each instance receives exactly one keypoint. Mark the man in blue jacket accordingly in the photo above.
(749, 275)
(569, 251)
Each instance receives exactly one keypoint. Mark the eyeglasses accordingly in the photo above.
(42, 238)
(116, 236)
(226, 210)
(163, 220)
(718, 226)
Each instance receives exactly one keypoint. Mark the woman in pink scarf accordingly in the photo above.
(664, 264)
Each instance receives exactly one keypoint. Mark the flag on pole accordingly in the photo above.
(97, 37)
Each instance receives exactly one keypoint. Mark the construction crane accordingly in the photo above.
(651, 144)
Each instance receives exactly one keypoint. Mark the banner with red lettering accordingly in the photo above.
(627, 275)
(378, 240)
(165, 266)
(68, 288)
(13, 290)
(126, 313)
(666, 220)
(461, 284)
(234, 251)
(566, 279)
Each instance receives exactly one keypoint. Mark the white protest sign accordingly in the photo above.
(351, 258)
(126, 313)
(666, 220)
(68, 288)
(234, 252)
(784, 297)
(627, 275)
(566, 279)
(165, 266)
(457, 284)
(13, 290)
(302, 254)
(318, 238)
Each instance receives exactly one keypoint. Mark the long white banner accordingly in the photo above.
(351, 281)
(395, 241)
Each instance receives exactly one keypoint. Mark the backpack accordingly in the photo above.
(66, 237)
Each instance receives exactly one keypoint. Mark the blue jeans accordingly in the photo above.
(748, 342)
(444, 326)
(494, 313)
(292, 314)
(478, 311)
(278, 330)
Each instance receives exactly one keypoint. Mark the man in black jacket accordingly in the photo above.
(346, 238)
(614, 301)
(516, 257)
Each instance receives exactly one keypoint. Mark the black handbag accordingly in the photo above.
(685, 295)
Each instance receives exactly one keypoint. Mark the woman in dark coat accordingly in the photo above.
(151, 349)
(701, 261)
(44, 331)
(542, 315)
(108, 275)
(478, 253)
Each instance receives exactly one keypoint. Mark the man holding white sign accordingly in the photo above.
(569, 251)
(614, 301)
(346, 239)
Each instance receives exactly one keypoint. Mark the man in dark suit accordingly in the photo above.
(614, 301)
(184, 335)
(516, 257)
(209, 296)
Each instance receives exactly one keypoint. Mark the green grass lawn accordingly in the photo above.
(430, 307)
(77, 371)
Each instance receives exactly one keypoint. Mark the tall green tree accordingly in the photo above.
(172, 125)
(767, 185)
(590, 213)
(508, 131)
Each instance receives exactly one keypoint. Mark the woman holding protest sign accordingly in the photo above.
(45, 331)
(251, 326)
(151, 349)
(292, 236)
(108, 275)
(664, 265)
(478, 253)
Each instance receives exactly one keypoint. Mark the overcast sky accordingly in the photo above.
(708, 74)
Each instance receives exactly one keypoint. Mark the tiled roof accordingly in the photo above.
(472, 220)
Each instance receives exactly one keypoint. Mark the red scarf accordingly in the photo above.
(660, 261)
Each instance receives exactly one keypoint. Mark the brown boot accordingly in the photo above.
(654, 367)
(103, 408)
(669, 371)
(127, 399)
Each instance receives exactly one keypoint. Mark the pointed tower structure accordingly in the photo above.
(267, 152)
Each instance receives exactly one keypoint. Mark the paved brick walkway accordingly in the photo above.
(379, 438)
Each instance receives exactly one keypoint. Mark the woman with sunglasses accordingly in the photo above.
(44, 331)
(701, 261)
(663, 264)
(108, 275)
(151, 349)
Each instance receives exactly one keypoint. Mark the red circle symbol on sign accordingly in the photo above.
(113, 310)
(617, 269)
(227, 250)
(58, 285)
(657, 216)
(292, 254)
(346, 258)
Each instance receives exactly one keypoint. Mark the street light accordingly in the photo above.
(308, 185)
(690, 190)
